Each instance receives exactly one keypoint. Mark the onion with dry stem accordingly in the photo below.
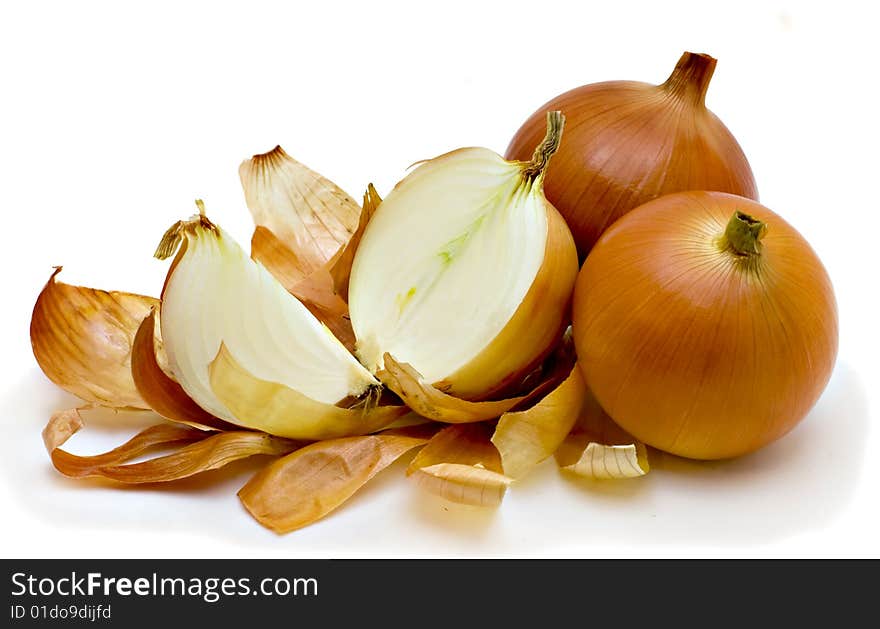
(629, 142)
(705, 324)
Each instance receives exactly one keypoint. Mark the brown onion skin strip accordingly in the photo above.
(430, 402)
(341, 263)
(62, 425)
(310, 214)
(591, 449)
(159, 391)
(465, 444)
(305, 486)
(210, 451)
(526, 438)
(280, 261)
(77, 466)
(82, 338)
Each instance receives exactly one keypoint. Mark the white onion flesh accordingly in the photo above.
(215, 293)
(446, 261)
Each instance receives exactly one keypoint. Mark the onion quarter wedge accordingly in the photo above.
(215, 296)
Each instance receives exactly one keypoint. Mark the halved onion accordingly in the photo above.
(215, 295)
(465, 272)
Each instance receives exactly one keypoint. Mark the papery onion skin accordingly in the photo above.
(308, 213)
(628, 142)
(694, 348)
(82, 339)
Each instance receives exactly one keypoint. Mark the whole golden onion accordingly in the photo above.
(705, 324)
(628, 142)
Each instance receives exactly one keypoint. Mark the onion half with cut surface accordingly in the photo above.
(465, 271)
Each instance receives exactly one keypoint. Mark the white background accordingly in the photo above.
(115, 116)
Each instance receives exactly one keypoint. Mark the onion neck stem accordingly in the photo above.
(548, 146)
(743, 235)
(690, 78)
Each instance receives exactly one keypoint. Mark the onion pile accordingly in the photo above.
(629, 142)
(441, 318)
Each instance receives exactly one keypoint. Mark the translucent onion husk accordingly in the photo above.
(305, 486)
(82, 339)
(428, 279)
(705, 324)
(198, 451)
(599, 449)
(281, 410)
(629, 142)
(460, 464)
(525, 438)
(311, 215)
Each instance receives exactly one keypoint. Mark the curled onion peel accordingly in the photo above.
(311, 215)
(216, 295)
(628, 142)
(195, 451)
(525, 438)
(461, 464)
(705, 324)
(599, 449)
(82, 339)
(465, 271)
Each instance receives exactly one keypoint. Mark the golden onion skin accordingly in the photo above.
(628, 142)
(693, 348)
